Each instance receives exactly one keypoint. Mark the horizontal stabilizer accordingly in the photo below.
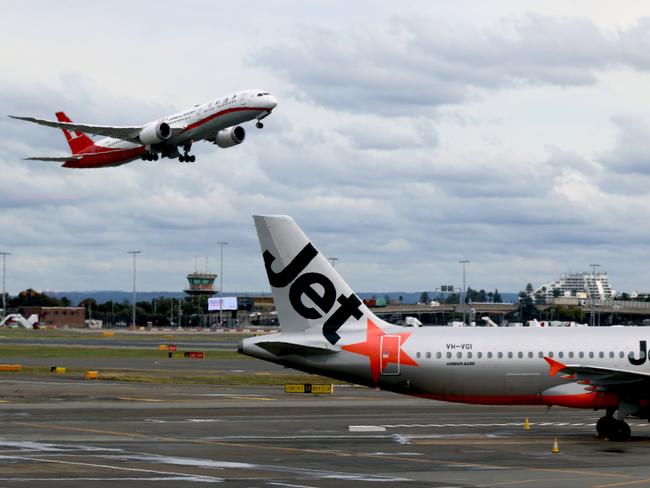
(56, 159)
(282, 348)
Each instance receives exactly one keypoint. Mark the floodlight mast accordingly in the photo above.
(221, 244)
(134, 254)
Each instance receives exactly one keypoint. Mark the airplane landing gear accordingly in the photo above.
(259, 125)
(613, 429)
(185, 157)
(149, 157)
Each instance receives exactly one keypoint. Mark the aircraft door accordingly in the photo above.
(390, 354)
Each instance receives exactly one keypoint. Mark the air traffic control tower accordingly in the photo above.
(201, 284)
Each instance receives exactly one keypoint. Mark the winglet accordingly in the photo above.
(556, 366)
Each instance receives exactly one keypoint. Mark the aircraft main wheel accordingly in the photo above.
(620, 431)
(155, 157)
(612, 429)
(605, 425)
(259, 125)
(192, 159)
(181, 158)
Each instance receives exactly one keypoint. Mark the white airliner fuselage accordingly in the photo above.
(216, 121)
(327, 330)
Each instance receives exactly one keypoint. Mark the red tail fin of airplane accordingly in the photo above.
(78, 141)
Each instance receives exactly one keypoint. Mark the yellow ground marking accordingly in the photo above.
(521, 482)
(133, 399)
(5, 401)
(589, 474)
(625, 483)
(263, 399)
(437, 442)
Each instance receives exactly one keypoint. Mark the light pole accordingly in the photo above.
(593, 297)
(221, 244)
(333, 261)
(134, 254)
(463, 262)
(4, 272)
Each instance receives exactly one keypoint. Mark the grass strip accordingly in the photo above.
(75, 352)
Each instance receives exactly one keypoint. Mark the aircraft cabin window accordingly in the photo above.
(581, 354)
(571, 354)
(418, 355)
(621, 354)
(469, 355)
(438, 355)
(459, 354)
(479, 355)
(560, 354)
(550, 354)
(530, 354)
(428, 355)
(601, 354)
(448, 355)
(540, 354)
(500, 355)
(489, 355)
(520, 354)
(510, 355)
(611, 354)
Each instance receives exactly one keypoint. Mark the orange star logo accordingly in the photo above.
(380, 358)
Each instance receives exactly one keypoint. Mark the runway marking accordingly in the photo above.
(624, 483)
(276, 483)
(600, 474)
(158, 478)
(134, 399)
(208, 463)
(499, 424)
(194, 477)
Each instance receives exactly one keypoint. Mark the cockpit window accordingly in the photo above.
(260, 94)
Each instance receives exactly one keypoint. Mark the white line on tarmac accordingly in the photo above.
(211, 479)
(275, 483)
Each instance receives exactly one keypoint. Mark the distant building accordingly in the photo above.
(201, 284)
(587, 285)
(55, 317)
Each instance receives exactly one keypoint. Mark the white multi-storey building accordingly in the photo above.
(595, 285)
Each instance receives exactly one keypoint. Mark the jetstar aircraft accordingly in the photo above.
(216, 121)
(327, 330)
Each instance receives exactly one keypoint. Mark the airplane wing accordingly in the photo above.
(284, 348)
(598, 376)
(58, 159)
(119, 132)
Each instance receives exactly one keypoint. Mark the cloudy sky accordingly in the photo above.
(408, 136)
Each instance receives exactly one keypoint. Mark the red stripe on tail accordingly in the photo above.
(78, 141)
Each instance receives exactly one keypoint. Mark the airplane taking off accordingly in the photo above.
(326, 329)
(216, 121)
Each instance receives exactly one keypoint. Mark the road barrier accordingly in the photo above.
(162, 347)
(314, 389)
(57, 369)
(91, 375)
(108, 333)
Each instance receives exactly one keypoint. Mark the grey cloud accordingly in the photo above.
(632, 151)
(419, 64)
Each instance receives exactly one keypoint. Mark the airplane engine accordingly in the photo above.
(230, 137)
(155, 133)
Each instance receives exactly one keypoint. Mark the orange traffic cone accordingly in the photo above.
(526, 424)
(556, 446)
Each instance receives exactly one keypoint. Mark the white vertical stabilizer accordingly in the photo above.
(307, 290)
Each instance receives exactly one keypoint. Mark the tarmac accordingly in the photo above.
(64, 432)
